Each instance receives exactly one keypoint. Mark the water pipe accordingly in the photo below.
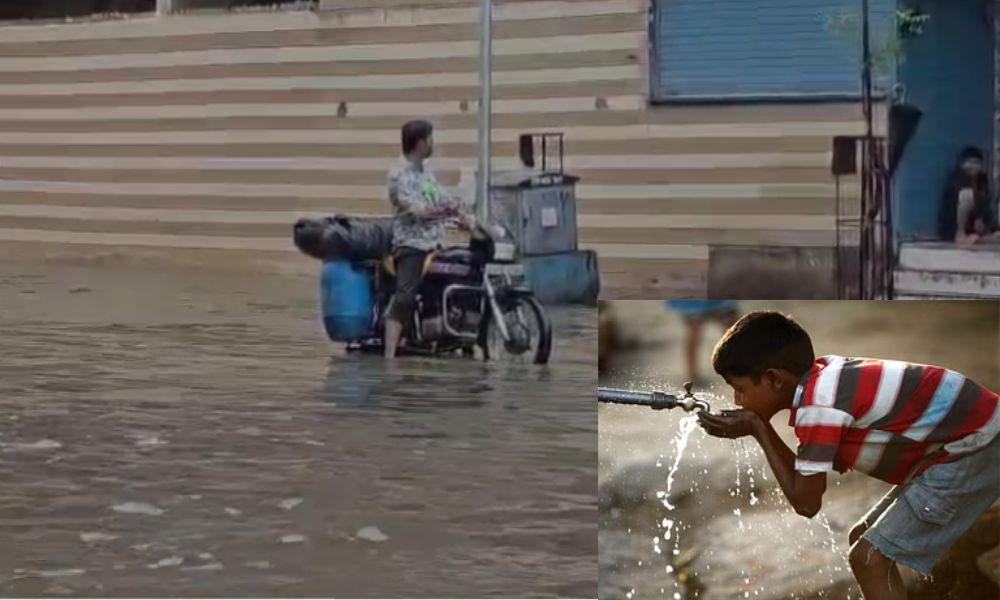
(654, 400)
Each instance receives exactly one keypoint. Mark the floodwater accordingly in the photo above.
(186, 434)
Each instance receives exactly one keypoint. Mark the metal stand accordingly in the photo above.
(877, 249)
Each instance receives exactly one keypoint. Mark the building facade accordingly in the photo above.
(198, 138)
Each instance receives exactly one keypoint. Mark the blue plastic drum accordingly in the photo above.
(348, 301)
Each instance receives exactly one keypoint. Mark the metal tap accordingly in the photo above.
(655, 400)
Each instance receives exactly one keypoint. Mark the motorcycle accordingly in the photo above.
(470, 297)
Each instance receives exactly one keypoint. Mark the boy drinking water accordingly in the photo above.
(931, 431)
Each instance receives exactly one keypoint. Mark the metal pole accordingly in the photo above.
(867, 217)
(866, 71)
(485, 108)
(996, 96)
(890, 240)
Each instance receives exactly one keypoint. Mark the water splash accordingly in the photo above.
(751, 484)
(670, 530)
(293, 538)
(834, 546)
(289, 503)
(96, 536)
(687, 425)
(668, 526)
(738, 471)
(138, 508)
(57, 573)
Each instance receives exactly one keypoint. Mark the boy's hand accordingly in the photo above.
(730, 423)
(466, 221)
(444, 209)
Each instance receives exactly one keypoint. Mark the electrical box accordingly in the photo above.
(538, 208)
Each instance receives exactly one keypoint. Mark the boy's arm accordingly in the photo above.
(804, 492)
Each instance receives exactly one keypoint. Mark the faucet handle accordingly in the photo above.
(687, 389)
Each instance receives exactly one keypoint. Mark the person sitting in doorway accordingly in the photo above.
(966, 215)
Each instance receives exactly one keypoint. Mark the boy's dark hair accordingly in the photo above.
(415, 132)
(760, 341)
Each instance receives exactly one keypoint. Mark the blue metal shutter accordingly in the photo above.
(722, 49)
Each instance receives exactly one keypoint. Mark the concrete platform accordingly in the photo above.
(564, 278)
(940, 256)
(953, 284)
(938, 270)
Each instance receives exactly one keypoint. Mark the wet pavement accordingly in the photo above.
(190, 434)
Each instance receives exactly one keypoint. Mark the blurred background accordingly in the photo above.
(731, 533)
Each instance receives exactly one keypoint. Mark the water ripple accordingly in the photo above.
(201, 425)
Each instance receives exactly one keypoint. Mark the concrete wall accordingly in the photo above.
(207, 135)
(759, 273)
(948, 75)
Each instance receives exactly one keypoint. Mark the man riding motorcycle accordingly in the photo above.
(421, 213)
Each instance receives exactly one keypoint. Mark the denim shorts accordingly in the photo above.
(914, 524)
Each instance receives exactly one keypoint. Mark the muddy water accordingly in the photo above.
(182, 434)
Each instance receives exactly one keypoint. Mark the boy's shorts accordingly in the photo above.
(914, 524)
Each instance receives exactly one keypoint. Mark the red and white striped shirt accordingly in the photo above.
(883, 417)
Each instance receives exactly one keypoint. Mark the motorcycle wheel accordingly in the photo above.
(529, 328)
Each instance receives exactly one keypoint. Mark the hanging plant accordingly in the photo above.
(911, 22)
(886, 50)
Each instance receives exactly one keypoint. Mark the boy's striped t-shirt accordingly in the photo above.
(885, 417)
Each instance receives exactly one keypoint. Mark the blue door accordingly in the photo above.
(948, 74)
(761, 49)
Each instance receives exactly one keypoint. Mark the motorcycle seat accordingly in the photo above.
(447, 256)
(388, 264)
(459, 255)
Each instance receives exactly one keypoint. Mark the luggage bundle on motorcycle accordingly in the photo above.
(344, 244)
(341, 237)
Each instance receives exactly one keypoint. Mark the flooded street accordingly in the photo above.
(169, 434)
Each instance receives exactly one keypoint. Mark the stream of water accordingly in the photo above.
(687, 493)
